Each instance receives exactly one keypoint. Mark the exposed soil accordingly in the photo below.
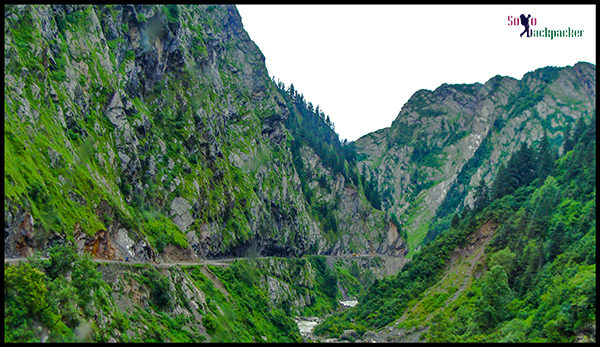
(461, 269)
(475, 245)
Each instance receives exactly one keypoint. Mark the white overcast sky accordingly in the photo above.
(361, 63)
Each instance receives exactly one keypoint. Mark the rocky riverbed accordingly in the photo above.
(306, 326)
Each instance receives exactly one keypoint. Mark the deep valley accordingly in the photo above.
(160, 186)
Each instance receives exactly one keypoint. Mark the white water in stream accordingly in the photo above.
(307, 324)
(349, 303)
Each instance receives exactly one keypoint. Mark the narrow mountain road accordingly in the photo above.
(216, 262)
(204, 268)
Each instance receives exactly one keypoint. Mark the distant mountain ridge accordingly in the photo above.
(444, 141)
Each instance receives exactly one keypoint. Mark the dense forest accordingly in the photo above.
(539, 281)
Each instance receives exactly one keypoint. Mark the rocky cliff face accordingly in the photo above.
(444, 141)
(143, 130)
(362, 228)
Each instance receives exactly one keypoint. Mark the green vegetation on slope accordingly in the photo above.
(247, 315)
(540, 285)
(40, 295)
(310, 127)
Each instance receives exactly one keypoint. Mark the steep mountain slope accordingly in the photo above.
(143, 130)
(155, 132)
(445, 141)
(520, 267)
(68, 297)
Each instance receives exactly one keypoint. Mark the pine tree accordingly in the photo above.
(524, 167)
(301, 100)
(499, 186)
(557, 237)
(466, 211)
(520, 170)
(568, 142)
(546, 159)
(495, 296)
(590, 131)
(455, 221)
(579, 129)
(481, 197)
